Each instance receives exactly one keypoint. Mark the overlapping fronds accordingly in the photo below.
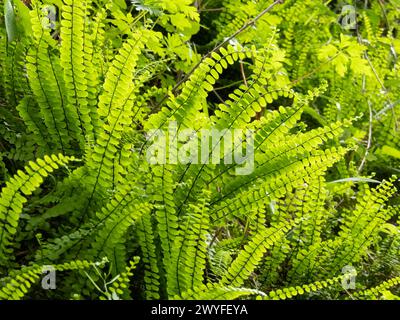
(228, 149)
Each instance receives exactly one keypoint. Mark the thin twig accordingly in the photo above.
(212, 10)
(228, 85)
(243, 74)
(369, 139)
(219, 97)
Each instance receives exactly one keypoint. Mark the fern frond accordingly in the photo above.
(189, 250)
(13, 196)
(274, 184)
(16, 285)
(120, 285)
(72, 59)
(377, 291)
(43, 71)
(217, 292)
(29, 113)
(115, 107)
(291, 292)
(111, 237)
(184, 107)
(249, 258)
(166, 215)
(146, 239)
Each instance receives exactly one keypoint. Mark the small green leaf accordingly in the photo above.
(23, 18)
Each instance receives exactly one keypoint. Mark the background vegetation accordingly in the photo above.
(83, 81)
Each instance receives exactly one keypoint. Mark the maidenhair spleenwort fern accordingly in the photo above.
(16, 285)
(89, 89)
(13, 196)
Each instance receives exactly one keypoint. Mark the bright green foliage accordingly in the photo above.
(73, 34)
(287, 293)
(13, 197)
(94, 80)
(252, 253)
(380, 290)
(217, 292)
(16, 285)
(119, 285)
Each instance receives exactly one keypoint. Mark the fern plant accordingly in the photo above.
(87, 85)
